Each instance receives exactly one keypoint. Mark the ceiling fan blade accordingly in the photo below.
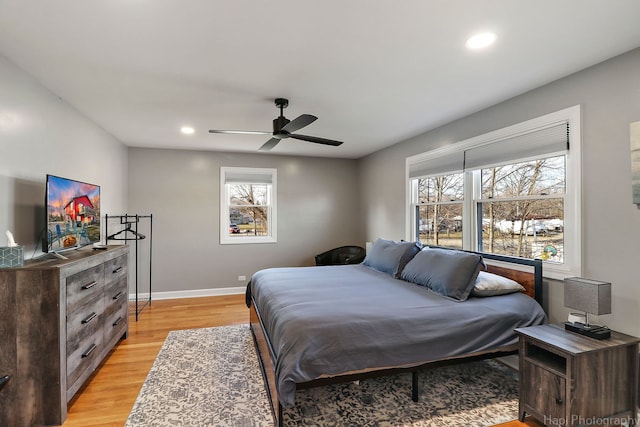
(245, 132)
(299, 122)
(316, 139)
(269, 144)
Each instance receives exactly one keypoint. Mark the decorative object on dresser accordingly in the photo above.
(569, 380)
(58, 320)
(590, 296)
(11, 255)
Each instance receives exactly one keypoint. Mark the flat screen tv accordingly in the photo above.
(73, 214)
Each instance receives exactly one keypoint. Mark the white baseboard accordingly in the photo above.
(214, 292)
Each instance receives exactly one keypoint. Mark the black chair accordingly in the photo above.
(341, 256)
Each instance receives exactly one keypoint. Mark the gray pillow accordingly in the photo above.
(449, 273)
(389, 256)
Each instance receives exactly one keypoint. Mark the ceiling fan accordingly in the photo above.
(284, 128)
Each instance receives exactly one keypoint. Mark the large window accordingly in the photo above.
(515, 191)
(247, 205)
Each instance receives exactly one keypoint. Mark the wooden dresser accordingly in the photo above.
(58, 320)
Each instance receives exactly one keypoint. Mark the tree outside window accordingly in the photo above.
(248, 209)
(522, 209)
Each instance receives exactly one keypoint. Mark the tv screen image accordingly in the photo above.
(73, 213)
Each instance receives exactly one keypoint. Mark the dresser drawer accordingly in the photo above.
(115, 295)
(115, 270)
(83, 286)
(116, 323)
(82, 359)
(84, 323)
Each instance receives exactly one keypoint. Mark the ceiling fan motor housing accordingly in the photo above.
(278, 124)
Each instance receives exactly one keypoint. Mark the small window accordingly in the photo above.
(247, 205)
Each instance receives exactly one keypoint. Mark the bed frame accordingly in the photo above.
(527, 272)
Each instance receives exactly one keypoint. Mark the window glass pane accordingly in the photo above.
(249, 210)
(248, 221)
(440, 188)
(536, 177)
(525, 228)
(440, 224)
(248, 194)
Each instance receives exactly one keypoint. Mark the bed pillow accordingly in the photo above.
(449, 273)
(489, 284)
(390, 257)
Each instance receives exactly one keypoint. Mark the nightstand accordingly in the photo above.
(571, 380)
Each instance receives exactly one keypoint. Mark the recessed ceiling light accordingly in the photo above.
(188, 130)
(480, 41)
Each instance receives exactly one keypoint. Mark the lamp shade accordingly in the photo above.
(590, 296)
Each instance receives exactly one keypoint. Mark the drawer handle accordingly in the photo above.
(4, 380)
(117, 270)
(88, 352)
(89, 318)
(117, 322)
(559, 401)
(89, 285)
(117, 296)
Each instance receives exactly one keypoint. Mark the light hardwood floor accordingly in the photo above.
(108, 396)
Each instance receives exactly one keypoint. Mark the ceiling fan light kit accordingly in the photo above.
(284, 128)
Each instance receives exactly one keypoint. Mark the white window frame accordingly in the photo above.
(572, 265)
(225, 239)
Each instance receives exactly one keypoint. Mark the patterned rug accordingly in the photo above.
(211, 377)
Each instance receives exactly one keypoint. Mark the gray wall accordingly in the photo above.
(39, 134)
(318, 208)
(610, 97)
(322, 202)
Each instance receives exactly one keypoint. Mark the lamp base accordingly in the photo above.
(591, 331)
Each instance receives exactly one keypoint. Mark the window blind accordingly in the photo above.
(438, 165)
(553, 138)
(535, 143)
(247, 178)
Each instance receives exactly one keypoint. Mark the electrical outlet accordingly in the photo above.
(242, 278)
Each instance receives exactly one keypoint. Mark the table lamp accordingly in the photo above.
(592, 297)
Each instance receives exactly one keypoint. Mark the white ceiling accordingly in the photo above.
(375, 72)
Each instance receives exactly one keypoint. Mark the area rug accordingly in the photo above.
(211, 377)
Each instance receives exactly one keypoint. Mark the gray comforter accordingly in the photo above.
(325, 321)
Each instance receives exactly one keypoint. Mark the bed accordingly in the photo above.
(403, 309)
